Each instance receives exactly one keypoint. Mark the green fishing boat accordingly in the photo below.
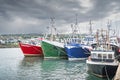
(53, 49)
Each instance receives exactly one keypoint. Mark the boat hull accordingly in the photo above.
(77, 52)
(102, 70)
(31, 50)
(52, 51)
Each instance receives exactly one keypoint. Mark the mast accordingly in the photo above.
(108, 33)
(90, 29)
(75, 30)
(75, 27)
(47, 32)
(76, 20)
(97, 36)
(109, 26)
(52, 35)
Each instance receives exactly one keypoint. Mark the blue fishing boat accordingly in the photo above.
(74, 47)
(77, 51)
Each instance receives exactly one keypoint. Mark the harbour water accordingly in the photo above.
(14, 66)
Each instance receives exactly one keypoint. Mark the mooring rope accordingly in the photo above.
(106, 73)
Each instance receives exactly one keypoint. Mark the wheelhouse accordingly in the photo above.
(102, 56)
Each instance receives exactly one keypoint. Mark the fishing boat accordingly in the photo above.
(74, 47)
(31, 49)
(102, 62)
(53, 49)
(77, 51)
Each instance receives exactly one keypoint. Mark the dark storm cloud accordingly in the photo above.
(36, 8)
(104, 8)
(17, 15)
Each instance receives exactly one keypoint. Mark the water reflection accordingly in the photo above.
(29, 68)
(76, 70)
(63, 70)
(14, 66)
(51, 69)
(93, 77)
(31, 61)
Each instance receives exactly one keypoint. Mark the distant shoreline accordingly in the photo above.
(9, 46)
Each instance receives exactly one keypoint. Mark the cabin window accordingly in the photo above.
(110, 56)
(94, 55)
(104, 56)
(99, 56)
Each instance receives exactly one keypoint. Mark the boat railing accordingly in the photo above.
(102, 60)
(99, 57)
(72, 40)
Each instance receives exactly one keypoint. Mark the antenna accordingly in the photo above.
(109, 26)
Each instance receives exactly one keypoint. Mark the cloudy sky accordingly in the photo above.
(33, 16)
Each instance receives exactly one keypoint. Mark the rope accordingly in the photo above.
(86, 51)
(107, 74)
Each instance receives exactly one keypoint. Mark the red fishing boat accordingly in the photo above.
(31, 49)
